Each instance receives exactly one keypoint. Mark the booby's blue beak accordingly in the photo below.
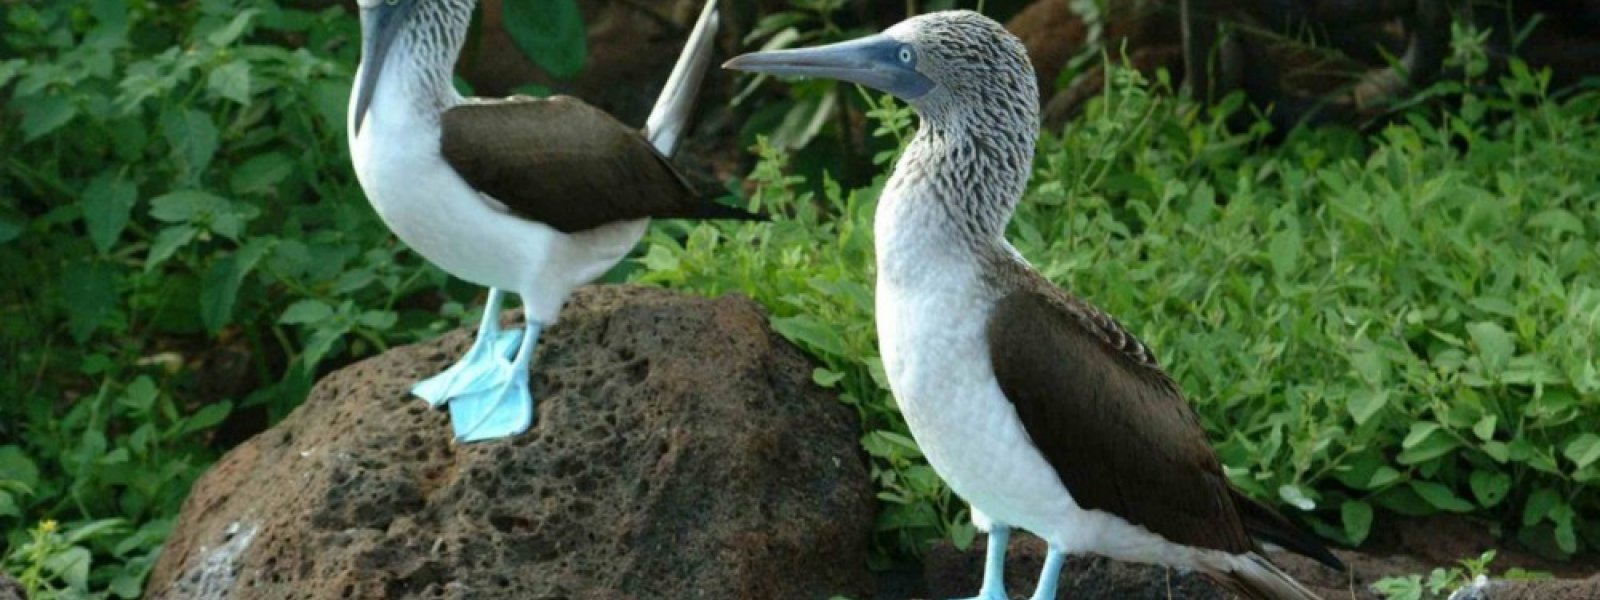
(381, 22)
(879, 62)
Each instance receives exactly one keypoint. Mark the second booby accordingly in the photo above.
(1040, 410)
(532, 196)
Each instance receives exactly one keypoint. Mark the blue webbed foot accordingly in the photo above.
(501, 410)
(479, 369)
(504, 408)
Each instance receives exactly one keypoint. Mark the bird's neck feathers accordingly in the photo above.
(958, 182)
(426, 53)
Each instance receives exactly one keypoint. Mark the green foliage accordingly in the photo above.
(551, 32)
(1442, 582)
(177, 200)
(1404, 324)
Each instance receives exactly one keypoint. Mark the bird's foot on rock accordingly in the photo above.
(479, 369)
(500, 410)
(989, 595)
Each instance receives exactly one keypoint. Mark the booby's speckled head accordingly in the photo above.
(937, 62)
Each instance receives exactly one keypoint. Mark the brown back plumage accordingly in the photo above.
(566, 164)
(1115, 427)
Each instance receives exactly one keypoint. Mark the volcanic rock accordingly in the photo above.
(681, 451)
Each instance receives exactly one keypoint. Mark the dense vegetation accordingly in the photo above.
(1400, 322)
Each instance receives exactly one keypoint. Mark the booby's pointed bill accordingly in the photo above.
(879, 62)
(381, 21)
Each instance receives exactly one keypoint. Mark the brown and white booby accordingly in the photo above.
(1037, 408)
(532, 196)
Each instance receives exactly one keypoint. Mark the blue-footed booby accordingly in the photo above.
(532, 196)
(1038, 409)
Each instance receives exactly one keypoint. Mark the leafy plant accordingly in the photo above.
(1443, 582)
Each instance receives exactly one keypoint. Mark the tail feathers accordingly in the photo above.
(1255, 578)
(673, 108)
(1267, 526)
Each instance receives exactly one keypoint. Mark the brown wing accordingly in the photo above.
(564, 163)
(1116, 429)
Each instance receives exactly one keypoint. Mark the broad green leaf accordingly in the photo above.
(72, 566)
(1583, 449)
(1284, 251)
(140, 395)
(107, 203)
(810, 332)
(229, 33)
(549, 32)
(193, 138)
(231, 81)
(168, 241)
(1357, 518)
(1364, 405)
(261, 174)
(1295, 496)
(1494, 344)
(1484, 429)
(306, 312)
(1538, 505)
(16, 466)
(1489, 487)
(207, 417)
(11, 226)
(1440, 496)
(8, 504)
(44, 114)
(219, 289)
(184, 206)
(89, 293)
(1425, 442)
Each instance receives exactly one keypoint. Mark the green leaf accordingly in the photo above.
(1489, 487)
(89, 293)
(1357, 517)
(168, 241)
(11, 226)
(44, 114)
(809, 331)
(1284, 250)
(185, 206)
(1494, 344)
(231, 81)
(193, 139)
(306, 312)
(1440, 497)
(1583, 449)
(261, 174)
(1484, 429)
(141, 395)
(228, 34)
(207, 417)
(550, 32)
(219, 289)
(1425, 442)
(1296, 496)
(1363, 406)
(16, 466)
(72, 566)
(1538, 505)
(107, 204)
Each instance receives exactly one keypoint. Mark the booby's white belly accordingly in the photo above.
(430, 208)
(936, 354)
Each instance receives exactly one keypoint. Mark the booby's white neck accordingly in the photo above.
(951, 195)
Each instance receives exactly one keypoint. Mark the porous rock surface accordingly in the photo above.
(10, 589)
(681, 451)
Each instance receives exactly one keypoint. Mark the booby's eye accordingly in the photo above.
(906, 55)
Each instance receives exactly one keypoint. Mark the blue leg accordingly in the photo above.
(994, 565)
(504, 408)
(477, 368)
(1050, 576)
